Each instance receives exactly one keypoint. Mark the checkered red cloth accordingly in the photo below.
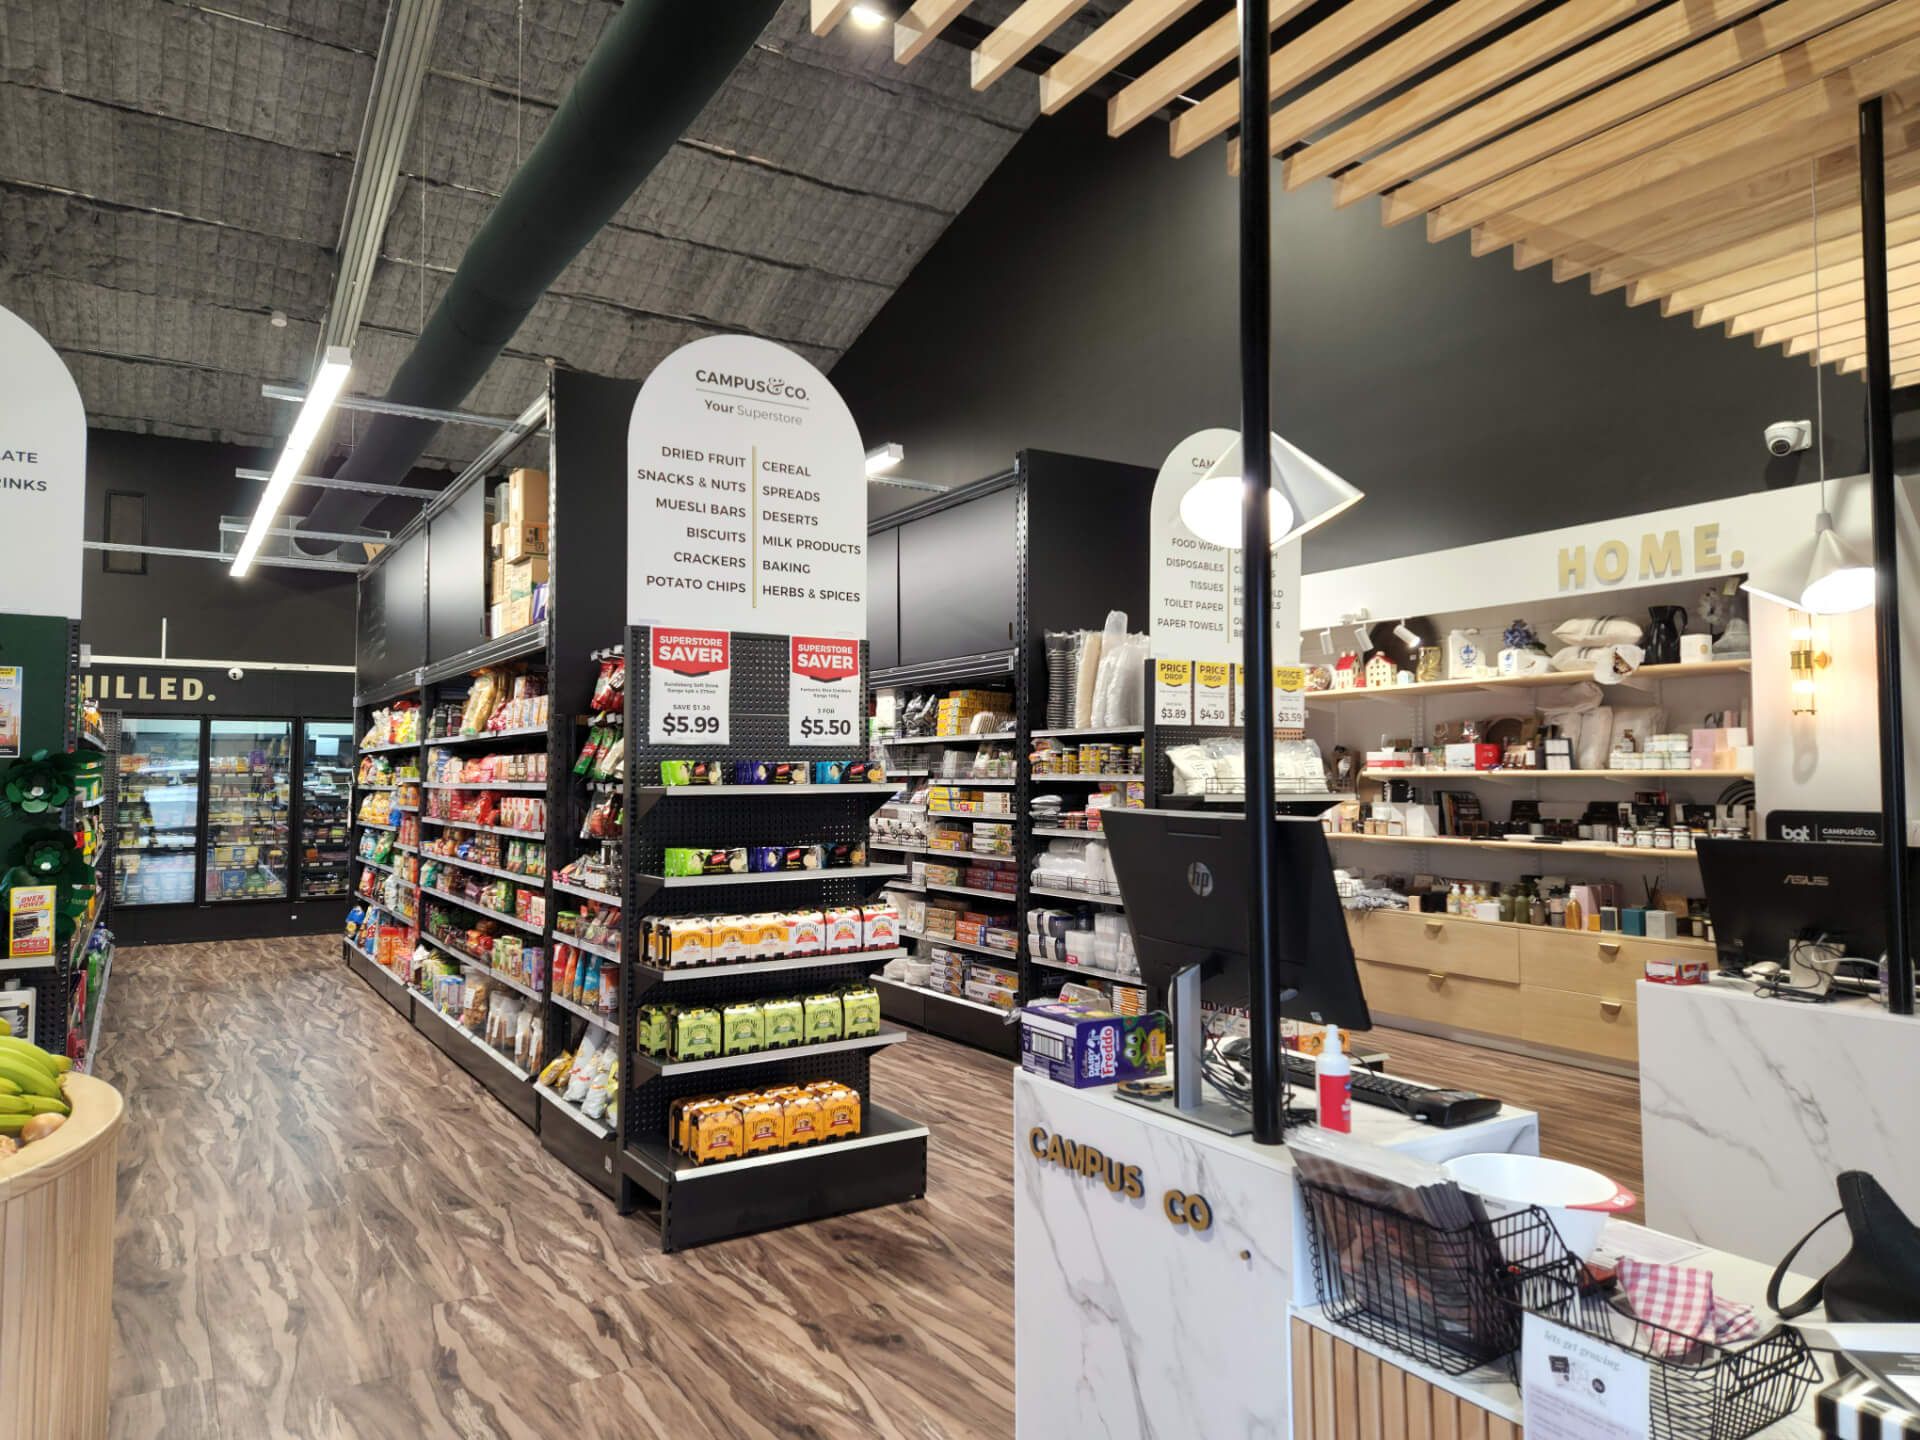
(1682, 1300)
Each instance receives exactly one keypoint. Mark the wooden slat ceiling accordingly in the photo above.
(1676, 151)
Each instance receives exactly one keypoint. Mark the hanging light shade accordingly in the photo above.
(1838, 581)
(1304, 494)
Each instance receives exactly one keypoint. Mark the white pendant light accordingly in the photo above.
(1304, 494)
(1838, 582)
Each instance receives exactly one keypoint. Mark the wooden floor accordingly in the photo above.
(327, 1230)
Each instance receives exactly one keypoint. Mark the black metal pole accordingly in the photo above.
(1886, 591)
(1256, 610)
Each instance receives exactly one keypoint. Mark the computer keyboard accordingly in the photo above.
(1443, 1108)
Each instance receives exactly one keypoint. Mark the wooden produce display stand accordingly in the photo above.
(56, 1271)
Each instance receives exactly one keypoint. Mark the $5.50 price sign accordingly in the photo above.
(824, 694)
(689, 686)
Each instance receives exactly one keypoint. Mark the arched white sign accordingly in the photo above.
(747, 495)
(43, 475)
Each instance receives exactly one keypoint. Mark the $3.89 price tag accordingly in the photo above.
(689, 686)
(824, 695)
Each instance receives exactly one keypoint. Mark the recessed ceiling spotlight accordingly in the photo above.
(867, 17)
(278, 319)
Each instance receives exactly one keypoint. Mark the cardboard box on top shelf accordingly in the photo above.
(525, 540)
(523, 575)
(527, 498)
(496, 539)
(497, 579)
(519, 614)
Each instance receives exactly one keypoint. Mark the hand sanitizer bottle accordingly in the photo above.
(1333, 1080)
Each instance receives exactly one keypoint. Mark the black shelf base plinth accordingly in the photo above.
(937, 1014)
(381, 981)
(461, 1048)
(886, 1165)
(582, 1152)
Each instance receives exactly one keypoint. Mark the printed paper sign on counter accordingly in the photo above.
(689, 686)
(747, 495)
(1194, 587)
(43, 475)
(824, 693)
(1173, 692)
(1212, 703)
(1575, 1387)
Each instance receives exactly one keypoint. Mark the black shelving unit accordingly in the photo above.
(1070, 547)
(887, 1162)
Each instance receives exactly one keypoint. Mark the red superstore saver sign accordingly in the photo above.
(691, 652)
(826, 659)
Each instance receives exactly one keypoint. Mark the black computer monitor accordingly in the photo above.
(1765, 894)
(1184, 877)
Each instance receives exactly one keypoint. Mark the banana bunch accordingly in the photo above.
(30, 1088)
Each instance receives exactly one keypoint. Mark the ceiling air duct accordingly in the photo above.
(657, 64)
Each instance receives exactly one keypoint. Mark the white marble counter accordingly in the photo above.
(1750, 1107)
(1129, 1325)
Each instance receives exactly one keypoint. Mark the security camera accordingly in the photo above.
(1786, 436)
(236, 673)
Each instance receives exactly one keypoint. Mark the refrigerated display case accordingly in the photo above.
(249, 814)
(326, 801)
(157, 819)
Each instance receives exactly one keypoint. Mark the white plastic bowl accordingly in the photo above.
(1576, 1199)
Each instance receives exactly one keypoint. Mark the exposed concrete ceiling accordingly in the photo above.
(171, 174)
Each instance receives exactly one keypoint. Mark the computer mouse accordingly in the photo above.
(1765, 970)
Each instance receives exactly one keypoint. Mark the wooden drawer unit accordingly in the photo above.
(1442, 998)
(1584, 961)
(1442, 943)
(1587, 1024)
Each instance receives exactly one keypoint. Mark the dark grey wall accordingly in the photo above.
(1086, 302)
(275, 614)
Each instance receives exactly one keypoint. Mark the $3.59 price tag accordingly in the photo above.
(824, 695)
(689, 686)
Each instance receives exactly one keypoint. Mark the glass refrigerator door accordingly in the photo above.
(326, 780)
(157, 815)
(248, 819)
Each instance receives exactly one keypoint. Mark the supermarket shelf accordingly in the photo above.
(407, 849)
(572, 1112)
(972, 782)
(487, 829)
(375, 825)
(946, 739)
(1524, 776)
(362, 860)
(976, 855)
(530, 786)
(768, 877)
(93, 738)
(661, 975)
(1012, 957)
(765, 792)
(585, 893)
(500, 915)
(902, 849)
(384, 749)
(1089, 732)
(880, 980)
(521, 733)
(1093, 970)
(1000, 816)
(479, 869)
(406, 809)
(881, 1127)
(465, 959)
(1087, 779)
(1529, 682)
(454, 1025)
(1078, 895)
(906, 885)
(592, 1017)
(371, 789)
(1066, 834)
(967, 890)
(646, 1067)
(1572, 847)
(605, 952)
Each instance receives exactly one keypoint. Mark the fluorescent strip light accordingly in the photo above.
(884, 457)
(328, 381)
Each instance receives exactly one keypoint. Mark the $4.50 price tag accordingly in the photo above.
(824, 695)
(689, 686)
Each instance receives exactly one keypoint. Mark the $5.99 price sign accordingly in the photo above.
(689, 686)
(824, 693)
